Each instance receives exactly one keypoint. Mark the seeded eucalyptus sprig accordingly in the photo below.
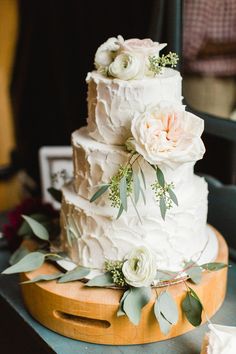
(163, 192)
(158, 63)
(123, 185)
(126, 183)
(115, 268)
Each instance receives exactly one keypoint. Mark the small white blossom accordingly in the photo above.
(105, 53)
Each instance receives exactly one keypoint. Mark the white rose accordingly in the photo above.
(140, 267)
(126, 66)
(105, 53)
(166, 137)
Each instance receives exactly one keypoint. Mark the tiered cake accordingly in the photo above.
(133, 220)
(135, 113)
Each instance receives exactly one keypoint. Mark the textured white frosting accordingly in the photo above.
(113, 102)
(221, 339)
(182, 236)
(95, 163)
(102, 235)
(90, 231)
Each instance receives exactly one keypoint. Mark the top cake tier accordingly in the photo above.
(131, 78)
(112, 103)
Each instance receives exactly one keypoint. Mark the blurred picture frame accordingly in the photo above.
(56, 168)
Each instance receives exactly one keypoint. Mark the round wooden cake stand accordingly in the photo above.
(89, 314)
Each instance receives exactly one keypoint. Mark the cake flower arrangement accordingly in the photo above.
(132, 59)
(162, 137)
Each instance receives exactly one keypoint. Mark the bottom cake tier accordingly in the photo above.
(92, 233)
(89, 314)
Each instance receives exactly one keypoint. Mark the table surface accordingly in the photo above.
(20, 333)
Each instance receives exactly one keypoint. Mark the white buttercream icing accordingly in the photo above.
(95, 163)
(179, 238)
(113, 102)
(221, 339)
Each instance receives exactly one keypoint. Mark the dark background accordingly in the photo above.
(56, 46)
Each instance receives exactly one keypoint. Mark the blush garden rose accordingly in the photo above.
(146, 47)
(139, 268)
(164, 136)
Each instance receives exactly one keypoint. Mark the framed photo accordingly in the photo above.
(56, 168)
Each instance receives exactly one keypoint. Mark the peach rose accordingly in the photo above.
(165, 136)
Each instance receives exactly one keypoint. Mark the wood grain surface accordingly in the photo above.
(89, 315)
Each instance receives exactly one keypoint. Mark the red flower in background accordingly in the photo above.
(28, 207)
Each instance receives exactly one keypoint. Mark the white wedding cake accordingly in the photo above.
(134, 183)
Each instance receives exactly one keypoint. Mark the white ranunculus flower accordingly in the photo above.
(105, 53)
(126, 66)
(167, 137)
(139, 268)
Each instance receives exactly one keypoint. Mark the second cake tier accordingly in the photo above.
(92, 232)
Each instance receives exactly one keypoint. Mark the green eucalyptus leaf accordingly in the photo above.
(43, 277)
(74, 274)
(54, 257)
(30, 262)
(25, 228)
(20, 253)
(195, 273)
(160, 177)
(163, 208)
(100, 192)
(123, 192)
(173, 196)
(101, 280)
(120, 311)
(39, 230)
(214, 266)
(136, 183)
(194, 294)
(143, 179)
(192, 308)
(136, 210)
(121, 209)
(168, 307)
(153, 166)
(165, 326)
(55, 193)
(135, 301)
(143, 195)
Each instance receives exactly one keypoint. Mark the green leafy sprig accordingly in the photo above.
(192, 307)
(126, 183)
(123, 185)
(156, 64)
(163, 192)
(115, 268)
